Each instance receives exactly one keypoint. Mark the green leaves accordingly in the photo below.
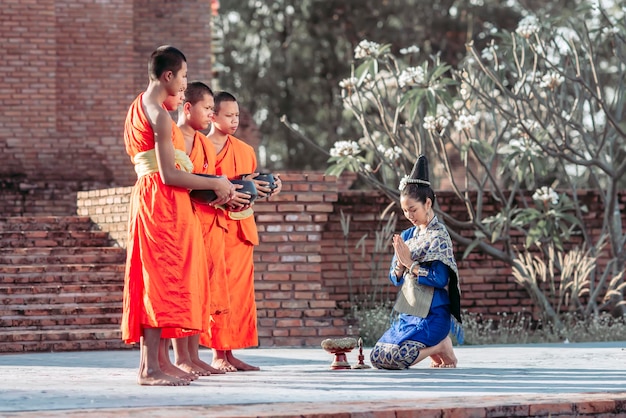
(338, 165)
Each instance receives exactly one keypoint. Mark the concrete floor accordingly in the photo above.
(298, 381)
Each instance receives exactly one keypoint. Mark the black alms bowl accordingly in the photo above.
(203, 196)
(207, 196)
(248, 187)
(268, 177)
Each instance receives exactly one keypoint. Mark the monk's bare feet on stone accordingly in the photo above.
(174, 371)
(223, 365)
(207, 367)
(192, 368)
(241, 365)
(160, 379)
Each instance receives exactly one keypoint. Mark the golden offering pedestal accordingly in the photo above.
(339, 347)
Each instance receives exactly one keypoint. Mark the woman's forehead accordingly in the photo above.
(408, 201)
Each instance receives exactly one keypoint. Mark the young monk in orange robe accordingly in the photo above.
(235, 159)
(172, 104)
(165, 271)
(196, 116)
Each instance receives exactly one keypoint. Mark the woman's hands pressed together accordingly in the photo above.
(403, 254)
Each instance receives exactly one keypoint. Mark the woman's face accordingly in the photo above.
(415, 211)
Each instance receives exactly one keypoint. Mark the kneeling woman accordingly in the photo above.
(428, 306)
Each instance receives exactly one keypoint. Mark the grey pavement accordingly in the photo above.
(91, 380)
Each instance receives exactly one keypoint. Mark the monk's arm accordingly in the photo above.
(165, 154)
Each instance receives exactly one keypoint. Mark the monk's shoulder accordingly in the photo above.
(241, 145)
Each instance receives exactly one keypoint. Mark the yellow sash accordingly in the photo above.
(237, 216)
(146, 162)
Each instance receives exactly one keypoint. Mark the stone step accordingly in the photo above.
(62, 274)
(98, 337)
(59, 332)
(16, 239)
(52, 289)
(56, 309)
(61, 285)
(86, 297)
(46, 223)
(61, 251)
(88, 344)
(74, 318)
(62, 255)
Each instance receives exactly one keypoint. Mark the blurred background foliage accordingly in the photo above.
(287, 57)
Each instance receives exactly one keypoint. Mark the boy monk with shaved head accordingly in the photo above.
(165, 274)
(238, 328)
(196, 115)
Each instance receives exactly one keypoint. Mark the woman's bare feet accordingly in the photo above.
(437, 361)
(160, 379)
(445, 354)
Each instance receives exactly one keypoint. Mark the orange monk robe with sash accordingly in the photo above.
(214, 226)
(166, 269)
(235, 159)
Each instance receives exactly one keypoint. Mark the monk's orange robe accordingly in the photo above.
(235, 159)
(165, 266)
(214, 226)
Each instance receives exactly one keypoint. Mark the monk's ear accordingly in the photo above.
(168, 76)
(186, 108)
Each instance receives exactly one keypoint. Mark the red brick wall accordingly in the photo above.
(71, 68)
(486, 284)
(306, 271)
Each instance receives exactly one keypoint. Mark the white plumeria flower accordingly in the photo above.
(435, 123)
(465, 121)
(489, 53)
(551, 80)
(442, 122)
(442, 111)
(348, 86)
(389, 153)
(523, 144)
(365, 49)
(413, 49)
(430, 123)
(348, 83)
(411, 76)
(546, 194)
(528, 26)
(393, 153)
(345, 149)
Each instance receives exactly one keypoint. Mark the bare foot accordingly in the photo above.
(207, 367)
(223, 365)
(437, 361)
(241, 365)
(174, 371)
(192, 368)
(447, 354)
(160, 379)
